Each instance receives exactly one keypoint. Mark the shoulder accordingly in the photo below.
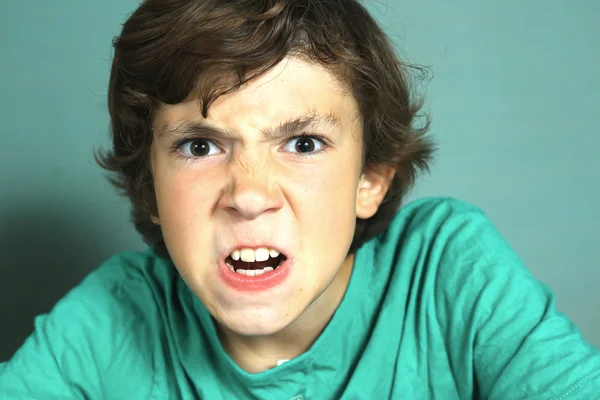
(111, 322)
(431, 212)
(448, 226)
(120, 286)
(127, 271)
(115, 299)
(128, 267)
(454, 244)
(466, 262)
(104, 334)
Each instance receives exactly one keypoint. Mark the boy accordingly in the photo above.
(266, 147)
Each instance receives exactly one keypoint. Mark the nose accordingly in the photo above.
(251, 191)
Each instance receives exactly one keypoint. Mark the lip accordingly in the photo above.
(262, 282)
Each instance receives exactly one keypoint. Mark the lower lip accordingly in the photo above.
(265, 281)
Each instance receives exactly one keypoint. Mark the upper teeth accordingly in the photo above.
(250, 255)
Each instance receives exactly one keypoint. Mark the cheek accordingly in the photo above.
(326, 201)
(185, 193)
(185, 198)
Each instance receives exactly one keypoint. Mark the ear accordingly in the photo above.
(374, 184)
(155, 220)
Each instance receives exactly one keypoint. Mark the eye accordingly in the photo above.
(199, 148)
(304, 145)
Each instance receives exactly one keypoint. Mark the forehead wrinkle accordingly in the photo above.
(250, 164)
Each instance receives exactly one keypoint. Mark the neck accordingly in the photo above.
(258, 353)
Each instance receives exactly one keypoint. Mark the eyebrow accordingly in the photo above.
(293, 127)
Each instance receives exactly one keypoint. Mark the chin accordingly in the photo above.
(259, 322)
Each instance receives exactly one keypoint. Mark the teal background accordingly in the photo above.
(514, 102)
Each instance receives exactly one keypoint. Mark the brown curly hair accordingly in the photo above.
(171, 49)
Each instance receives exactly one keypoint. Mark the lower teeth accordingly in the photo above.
(250, 272)
(253, 272)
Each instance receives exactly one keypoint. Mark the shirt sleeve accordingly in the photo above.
(83, 346)
(505, 323)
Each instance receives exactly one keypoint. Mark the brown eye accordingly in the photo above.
(199, 148)
(304, 145)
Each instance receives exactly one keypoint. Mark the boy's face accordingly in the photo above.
(241, 180)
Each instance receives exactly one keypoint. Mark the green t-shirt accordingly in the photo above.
(438, 307)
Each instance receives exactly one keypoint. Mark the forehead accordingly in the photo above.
(292, 88)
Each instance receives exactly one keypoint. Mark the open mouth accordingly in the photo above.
(250, 262)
